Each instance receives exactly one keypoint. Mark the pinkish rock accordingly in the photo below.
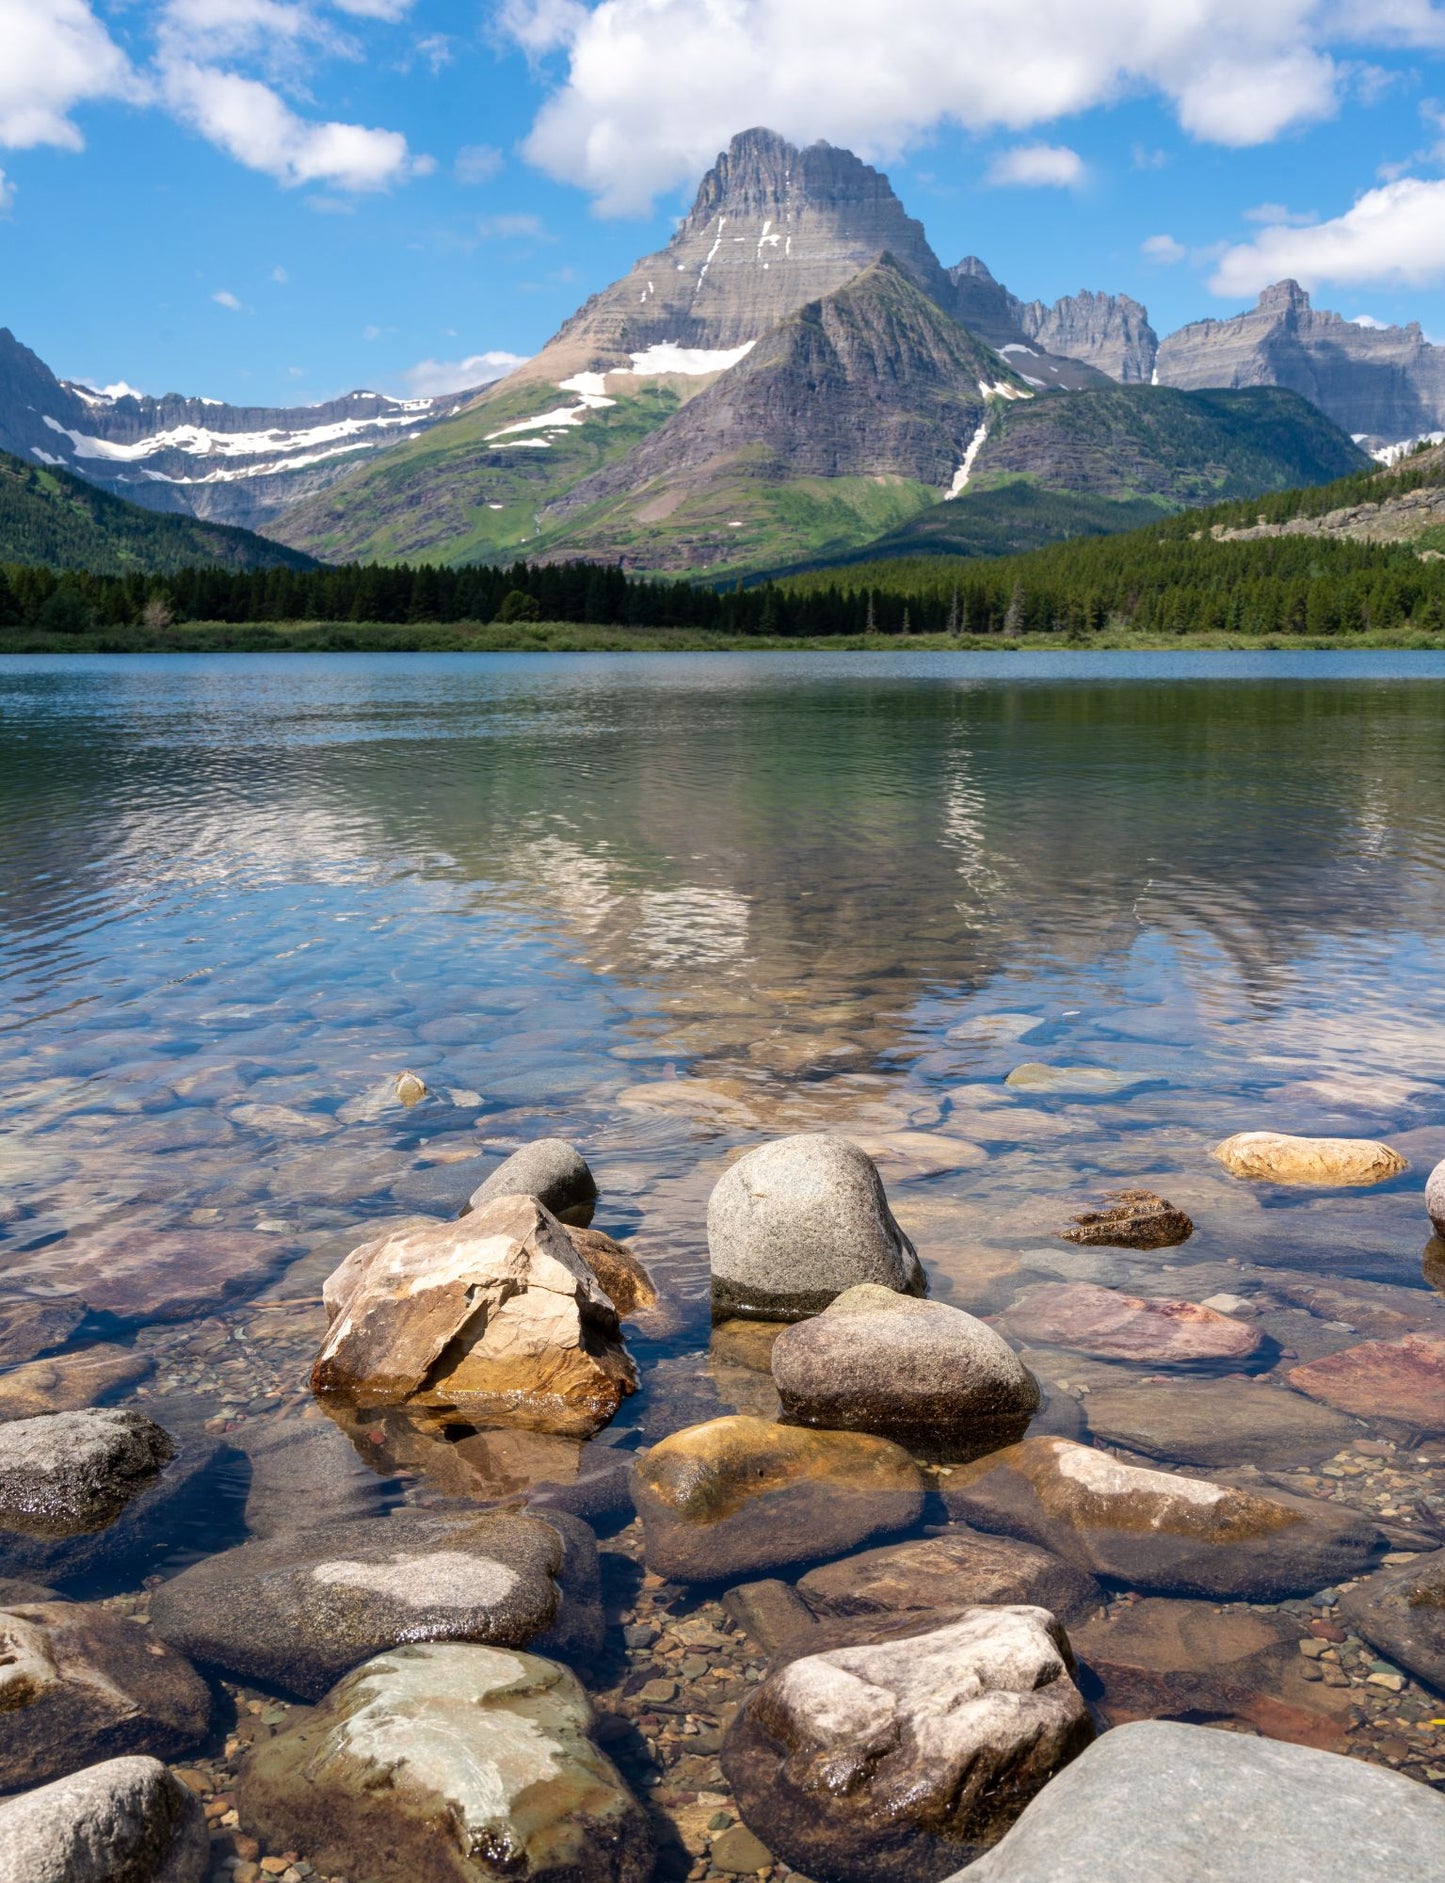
(152, 1274)
(1382, 1379)
(1113, 1326)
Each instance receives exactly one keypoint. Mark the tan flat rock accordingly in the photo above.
(1275, 1157)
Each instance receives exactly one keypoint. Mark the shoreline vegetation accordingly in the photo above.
(568, 637)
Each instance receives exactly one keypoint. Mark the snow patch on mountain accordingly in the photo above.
(667, 357)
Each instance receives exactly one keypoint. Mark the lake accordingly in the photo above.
(669, 907)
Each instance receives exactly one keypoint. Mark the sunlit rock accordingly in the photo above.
(623, 1279)
(1382, 1379)
(1214, 1424)
(1401, 1611)
(955, 1570)
(1326, 1162)
(72, 1472)
(127, 1820)
(1435, 1197)
(1114, 1326)
(552, 1171)
(69, 1382)
(1131, 1219)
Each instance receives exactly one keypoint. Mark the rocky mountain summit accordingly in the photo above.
(1109, 332)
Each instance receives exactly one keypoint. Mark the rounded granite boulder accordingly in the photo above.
(553, 1171)
(794, 1223)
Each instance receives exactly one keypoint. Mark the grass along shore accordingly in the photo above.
(566, 637)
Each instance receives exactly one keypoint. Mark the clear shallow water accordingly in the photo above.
(668, 907)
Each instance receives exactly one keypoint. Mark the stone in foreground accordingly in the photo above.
(1215, 1424)
(1114, 1326)
(552, 1171)
(449, 1763)
(960, 1569)
(1382, 1379)
(1157, 1802)
(1435, 1197)
(925, 1374)
(1401, 1611)
(126, 1821)
(1131, 1219)
(794, 1223)
(897, 1760)
(67, 1473)
(296, 1612)
(1157, 1531)
(738, 1496)
(1328, 1163)
(78, 1683)
(496, 1315)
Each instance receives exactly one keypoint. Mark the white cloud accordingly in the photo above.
(7, 194)
(654, 88)
(224, 298)
(477, 163)
(375, 9)
(54, 55)
(1368, 320)
(430, 378)
(513, 229)
(1037, 166)
(1393, 236)
(280, 276)
(253, 124)
(1163, 248)
(1277, 213)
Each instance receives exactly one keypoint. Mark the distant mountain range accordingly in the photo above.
(793, 377)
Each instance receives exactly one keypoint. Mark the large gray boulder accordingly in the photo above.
(1435, 1197)
(1156, 1802)
(80, 1683)
(553, 1171)
(454, 1764)
(126, 1821)
(67, 1473)
(925, 1374)
(299, 1610)
(794, 1223)
(893, 1760)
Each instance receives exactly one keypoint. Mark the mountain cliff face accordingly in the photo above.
(986, 308)
(1381, 384)
(1110, 332)
(227, 463)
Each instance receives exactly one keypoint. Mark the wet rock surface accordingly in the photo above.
(72, 1472)
(29, 1326)
(1435, 1197)
(793, 1223)
(127, 1820)
(1276, 1157)
(1157, 1531)
(552, 1171)
(78, 1684)
(1131, 1219)
(737, 1496)
(1213, 1424)
(1402, 1380)
(1114, 1326)
(905, 1757)
(1159, 1799)
(1401, 1611)
(145, 1275)
(304, 1473)
(451, 1763)
(622, 1278)
(955, 1570)
(69, 1382)
(296, 1612)
(496, 1314)
(927, 1375)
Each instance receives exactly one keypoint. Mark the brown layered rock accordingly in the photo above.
(1131, 1219)
(68, 1382)
(1401, 1611)
(79, 1683)
(907, 1757)
(1275, 1157)
(738, 1495)
(1402, 1380)
(496, 1315)
(622, 1278)
(1113, 1326)
(959, 1569)
(1157, 1531)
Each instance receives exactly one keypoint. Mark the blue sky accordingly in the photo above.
(270, 201)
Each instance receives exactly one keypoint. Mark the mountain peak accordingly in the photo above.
(1284, 297)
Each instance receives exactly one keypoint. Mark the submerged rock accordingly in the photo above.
(28, 1325)
(71, 1472)
(552, 1171)
(69, 1382)
(79, 1683)
(1131, 1219)
(1382, 1379)
(298, 1611)
(1326, 1162)
(143, 1275)
(1155, 1530)
(304, 1472)
(1401, 1611)
(958, 1569)
(449, 1763)
(1214, 1424)
(918, 1371)
(1161, 1800)
(901, 1758)
(794, 1223)
(622, 1278)
(1074, 1081)
(1113, 1326)
(410, 1089)
(739, 1495)
(125, 1821)
(496, 1315)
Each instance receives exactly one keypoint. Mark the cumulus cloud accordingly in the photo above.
(1393, 236)
(654, 88)
(1037, 166)
(54, 55)
(7, 194)
(477, 163)
(223, 297)
(428, 379)
(1163, 248)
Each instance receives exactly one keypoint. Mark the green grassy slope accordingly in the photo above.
(48, 517)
